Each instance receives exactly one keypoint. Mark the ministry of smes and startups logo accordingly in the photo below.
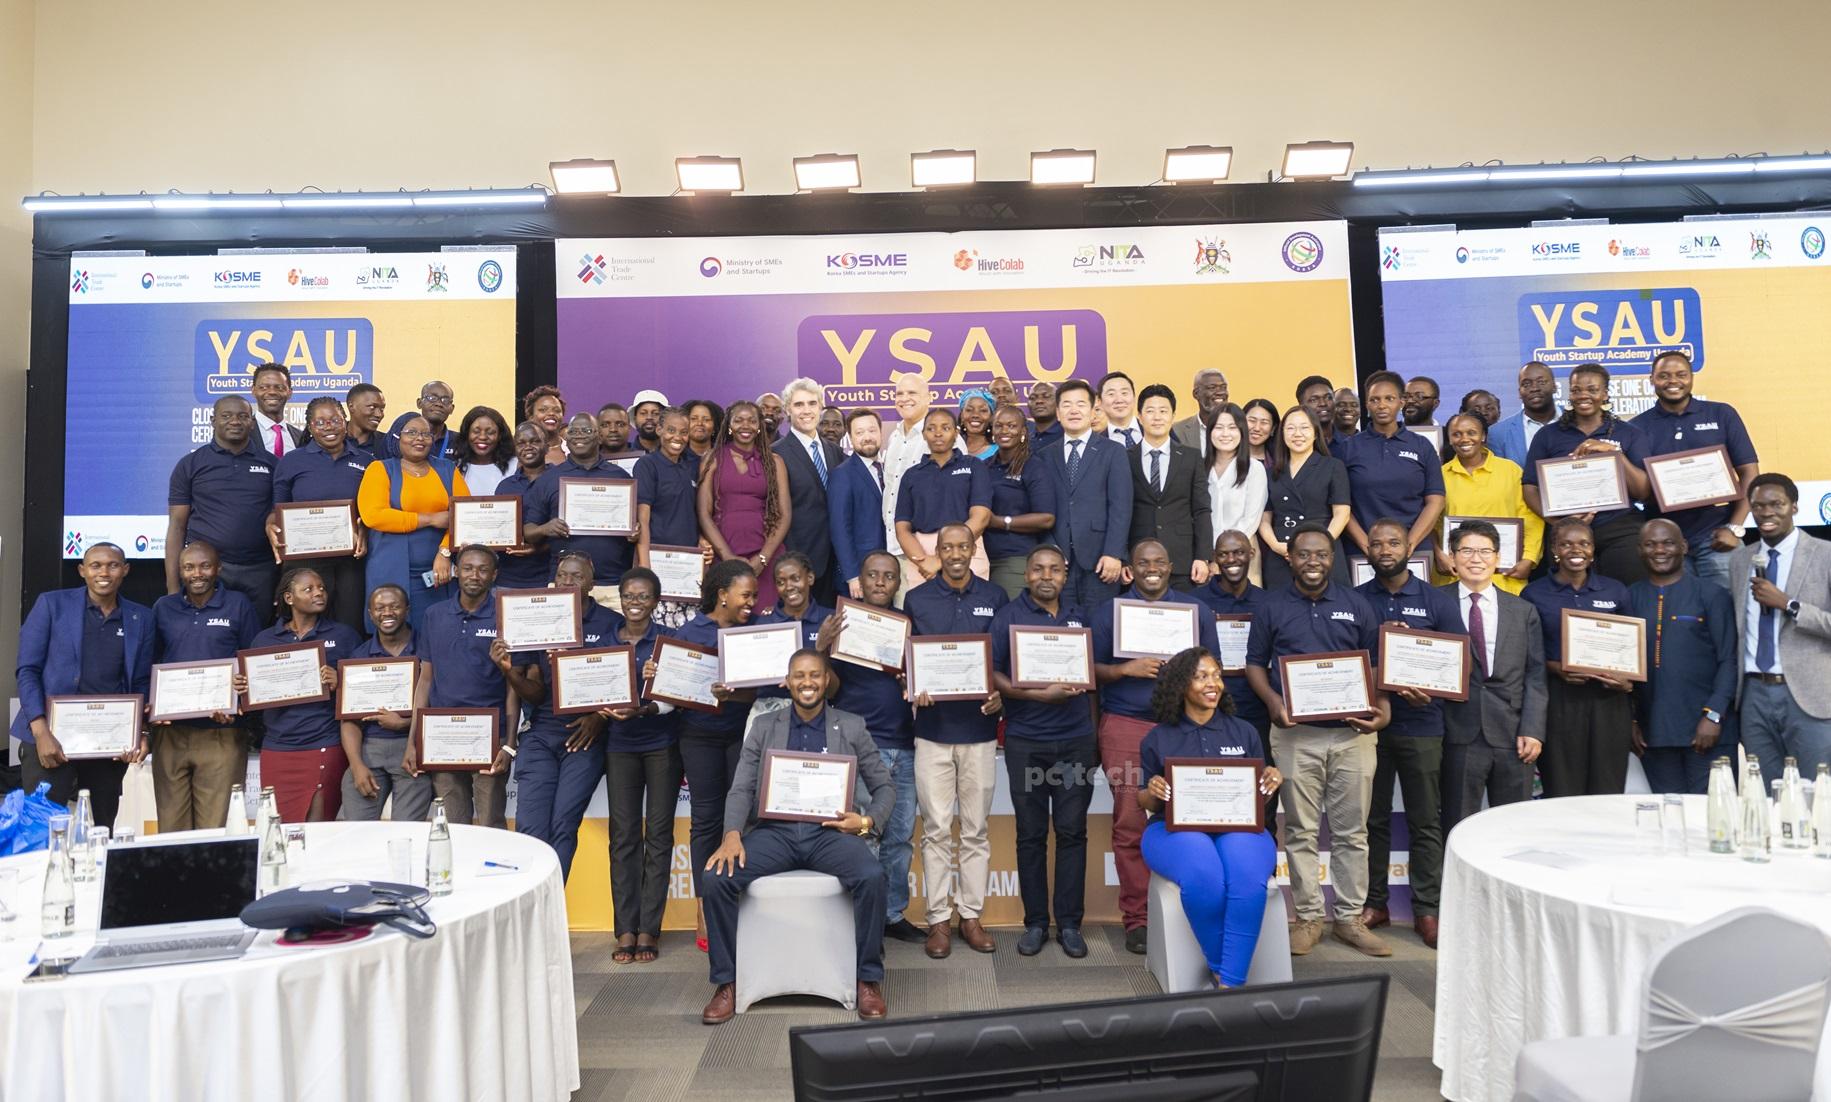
(1557, 250)
(141, 543)
(1812, 242)
(235, 278)
(1390, 259)
(1302, 252)
(708, 267)
(489, 277)
(1760, 246)
(592, 268)
(1462, 254)
(146, 281)
(1211, 256)
(437, 279)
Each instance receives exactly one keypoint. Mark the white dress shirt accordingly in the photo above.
(1118, 434)
(1237, 508)
(1490, 619)
(1145, 451)
(265, 428)
(807, 447)
(902, 450)
(1751, 616)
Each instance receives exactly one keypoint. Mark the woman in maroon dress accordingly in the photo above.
(743, 498)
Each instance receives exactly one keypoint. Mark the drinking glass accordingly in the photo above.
(1672, 824)
(1646, 826)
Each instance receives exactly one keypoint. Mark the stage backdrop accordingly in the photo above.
(728, 318)
(1746, 298)
(154, 341)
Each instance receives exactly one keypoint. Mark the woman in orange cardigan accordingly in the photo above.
(406, 504)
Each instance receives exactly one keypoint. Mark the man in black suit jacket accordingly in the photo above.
(269, 392)
(1170, 502)
(807, 482)
(1094, 513)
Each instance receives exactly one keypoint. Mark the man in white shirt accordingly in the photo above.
(272, 389)
(1118, 402)
(902, 449)
(1782, 590)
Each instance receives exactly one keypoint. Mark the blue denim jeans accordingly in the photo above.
(1709, 564)
(898, 845)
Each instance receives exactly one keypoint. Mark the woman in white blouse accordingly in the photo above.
(1236, 484)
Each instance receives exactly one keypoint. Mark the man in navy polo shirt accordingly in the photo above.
(221, 494)
(1410, 748)
(1125, 705)
(956, 751)
(367, 406)
(1049, 761)
(196, 761)
(944, 487)
(435, 405)
(1679, 422)
(1327, 764)
(1230, 593)
(610, 555)
(1392, 471)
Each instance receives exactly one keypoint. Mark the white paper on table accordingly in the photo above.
(1548, 857)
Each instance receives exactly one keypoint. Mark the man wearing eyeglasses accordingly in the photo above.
(435, 405)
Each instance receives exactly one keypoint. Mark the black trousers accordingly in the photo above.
(710, 761)
(1474, 768)
(771, 847)
(1618, 549)
(1417, 763)
(346, 584)
(1051, 783)
(101, 776)
(640, 845)
(255, 581)
(1588, 733)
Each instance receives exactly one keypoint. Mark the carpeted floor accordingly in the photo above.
(640, 1038)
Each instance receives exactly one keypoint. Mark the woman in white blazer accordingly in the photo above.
(1236, 484)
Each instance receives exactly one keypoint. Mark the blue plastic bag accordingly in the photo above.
(25, 821)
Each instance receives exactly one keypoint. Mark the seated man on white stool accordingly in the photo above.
(756, 848)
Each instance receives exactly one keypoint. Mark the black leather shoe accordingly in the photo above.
(1072, 942)
(1138, 940)
(904, 930)
(1031, 943)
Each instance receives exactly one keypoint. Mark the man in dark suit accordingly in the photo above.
(810, 462)
(1170, 502)
(855, 502)
(1096, 508)
(271, 389)
(1491, 739)
(840, 847)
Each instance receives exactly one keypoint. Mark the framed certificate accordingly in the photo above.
(1592, 484)
(1044, 656)
(278, 676)
(1214, 795)
(1331, 685)
(540, 619)
(1512, 537)
(872, 637)
(366, 686)
(317, 529)
(680, 570)
(598, 506)
(684, 675)
(1688, 480)
(1602, 643)
(193, 690)
(95, 726)
(1435, 663)
(456, 740)
(493, 521)
(1154, 629)
(756, 655)
(1232, 630)
(586, 680)
(1362, 570)
(950, 667)
(806, 788)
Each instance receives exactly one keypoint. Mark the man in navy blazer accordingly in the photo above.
(855, 502)
(81, 641)
(809, 486)
(1095, 513)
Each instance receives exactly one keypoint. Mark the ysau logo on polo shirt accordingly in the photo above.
(258, 468)
(1413, 456)
(983, 611)
(219, 622)
(485, 633)
(1414, 612)
(324, 355)
(1602, 604)
(1705, 426)
(968, 471)
(1347, 617)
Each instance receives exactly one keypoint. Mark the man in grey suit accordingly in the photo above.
(1210, 393)
(1781, 587)
(1491, 739)
(840, 847)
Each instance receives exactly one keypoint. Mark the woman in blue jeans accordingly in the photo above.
(1222, 876)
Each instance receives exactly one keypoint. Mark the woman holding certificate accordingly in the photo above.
(1221, 870)
(1306, 484)
(667, 512)
(1478, 483)
(743, 499)
(328, 468)
(406, 503)
(1236, 485)
(302, 756)
(1603, 498)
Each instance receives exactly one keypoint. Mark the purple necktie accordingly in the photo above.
(1478, 633)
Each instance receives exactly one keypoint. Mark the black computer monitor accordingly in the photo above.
(1291, 1042)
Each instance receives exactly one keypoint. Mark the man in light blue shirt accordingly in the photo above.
(1782, 586)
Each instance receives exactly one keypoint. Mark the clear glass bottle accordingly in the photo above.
(1795, 818)
(57, 910)
(267, 811)
(1720, 807)
(80, 826)
(235, 823)
(438, 851)
(1821, 812)
(273, 857)
(1753, 845)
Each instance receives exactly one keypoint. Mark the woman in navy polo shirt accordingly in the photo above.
(1024, 501)
(945, 487)
(1587, 428)
(1222, 876)
(329, 467)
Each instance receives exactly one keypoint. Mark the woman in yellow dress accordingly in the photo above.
(1478, 483)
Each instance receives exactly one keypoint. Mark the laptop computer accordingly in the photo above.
(174, 902)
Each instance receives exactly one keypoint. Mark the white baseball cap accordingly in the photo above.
(654, 396)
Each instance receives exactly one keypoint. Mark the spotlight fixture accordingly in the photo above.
(827, 172)
(698, 174)
(943, 168)
(1316, 160)
(1197, 164)
(1062, 167)
(585, 176)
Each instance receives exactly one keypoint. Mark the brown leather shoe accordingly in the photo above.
(940, 942)
(976, 937)
(1375, 917)
(722, 1007)
(871, 1001)
(1427, 930)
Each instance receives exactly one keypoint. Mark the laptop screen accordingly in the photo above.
(153, 884)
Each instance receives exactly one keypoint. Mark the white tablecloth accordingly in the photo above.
(483, 1010)
(1530, 950)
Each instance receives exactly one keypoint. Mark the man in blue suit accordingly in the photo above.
(81, 641)
(855, 502)
(1095, 511)
(1538, 399)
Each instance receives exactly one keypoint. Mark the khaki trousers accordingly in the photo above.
(193, 770)
(1327, 770)
(946, 775)
(466, 794)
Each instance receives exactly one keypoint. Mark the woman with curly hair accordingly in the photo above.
(486, 450)
(1222, 876)
(743, 498)
(546, 407)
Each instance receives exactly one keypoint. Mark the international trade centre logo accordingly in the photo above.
(1211, 256)
(489, 277)
(1812, 242)
(1302, 252)
(592, 268)
(79, 282)
(710, 267)
(73, 543)
(1390, 259)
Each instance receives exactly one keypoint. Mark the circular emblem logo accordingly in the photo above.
(141, 543)
(1302, 252)
(1824, 509)
(146, 280)
(1812, 242)
(489, 277)
(710, 267)
(1462, 254)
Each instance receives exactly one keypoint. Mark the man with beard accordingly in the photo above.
(1680, 422)
(221, 494)
(855, 502)
(1512, 436)
(645, 414)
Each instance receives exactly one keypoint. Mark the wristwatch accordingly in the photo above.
(444, 552)
(1792, 610)
(509, 750)
(1007, 524)
(865, 831)
(1713, 715)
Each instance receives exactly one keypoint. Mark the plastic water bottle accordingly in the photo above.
(1795, 820)
(273, 857)
(80, 828)
(1720, 807)
(438, 851)
(235, 823)
(1755, 812)
(58, 910)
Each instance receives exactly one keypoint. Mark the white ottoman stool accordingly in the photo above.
(795, 937)
(1175, 957)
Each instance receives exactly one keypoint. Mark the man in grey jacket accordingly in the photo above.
(755, 847)
(1781, 588)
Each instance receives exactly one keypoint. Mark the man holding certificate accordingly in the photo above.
(375, 742)
(1327, 764)
(1125, 704)
(1679, 422)
(757, 843)
(1588, 430)
(543, 513)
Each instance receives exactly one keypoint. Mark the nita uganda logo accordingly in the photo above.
(1211, 256)
(1302, 252)
(592, 268)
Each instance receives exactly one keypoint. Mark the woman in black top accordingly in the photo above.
(1307, 483)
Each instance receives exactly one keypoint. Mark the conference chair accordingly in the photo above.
(794, 937)
(1175, 958)
(1733, 1008)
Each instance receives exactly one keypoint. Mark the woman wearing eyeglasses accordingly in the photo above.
(1478, 483)
(328, 467)
(406, 503)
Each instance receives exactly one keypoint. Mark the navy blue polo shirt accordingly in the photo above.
(457, 643)
(1694, 662)
(1292, 624)
(310, 473)
(702, 631)
(644, 733)
(1246, 703)
(1425, 608)
(671, 491)
(372, 648)
(1223, 736)
(1557, 440)
(1042, 439)
(1551, 597)
(812, 617)
(230, 496)
(1033, 719)
(311, 726)
(610, 555)
(521, 571)
(600, 630)
(939, 609)
(186, 633)
(1702, 425)
(1389, 476)
(877, 698)
(379, 445)
(1131, 696)
(1033, 490)
(443, 447)
(104, 665)
(930, 498)
(807, 736)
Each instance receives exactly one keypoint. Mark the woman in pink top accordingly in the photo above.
(743, 498)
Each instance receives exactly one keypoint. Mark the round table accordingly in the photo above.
(1551, 913)
(484, 1009)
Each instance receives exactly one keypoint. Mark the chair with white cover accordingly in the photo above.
(1734, 1009)
(794, 937)
(1175, 958)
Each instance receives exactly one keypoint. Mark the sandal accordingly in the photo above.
(623, 954)
(647, 954)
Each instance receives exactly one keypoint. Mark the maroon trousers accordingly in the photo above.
(1120, 737)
